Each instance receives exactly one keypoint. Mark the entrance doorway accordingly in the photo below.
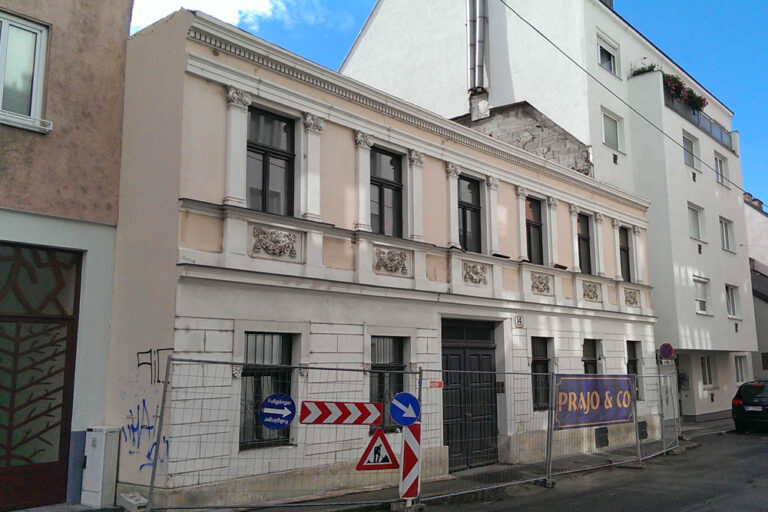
(39, 292)
(469, 394)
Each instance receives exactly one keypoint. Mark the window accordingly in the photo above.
(610, 131)
(694, 222)
(533, 231)
(540, 371)
(269, 172)
(258, 382)
(387, 369)
(590, 357)
(22, 67)
(386, 193)
(469, 214)
(606, 55)
(764, 358)
(726, 234)
(585, 244)
(688, 152)
(741, 368)
(706, 371)
(720, 169)
(626, 269)
(633, 364)
(731, 300)
(700, 294)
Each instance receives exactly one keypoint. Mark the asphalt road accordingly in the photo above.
(725, 473)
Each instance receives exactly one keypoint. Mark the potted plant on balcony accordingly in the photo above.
(675, 87)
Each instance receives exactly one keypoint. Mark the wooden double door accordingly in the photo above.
(469, 394)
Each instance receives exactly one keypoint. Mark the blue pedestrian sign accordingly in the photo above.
(404, 409)
(277, 411)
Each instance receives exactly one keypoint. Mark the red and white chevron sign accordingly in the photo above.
(340, 413)
(410, 469)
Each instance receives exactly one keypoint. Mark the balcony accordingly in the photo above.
(701, 120)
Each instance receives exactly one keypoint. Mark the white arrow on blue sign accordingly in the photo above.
(404, 409)
(277, 411)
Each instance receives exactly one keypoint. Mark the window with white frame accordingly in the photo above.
(22, 66)
(721, 168)
(726, 234)
(694, 222)
(732, 300)
(741, 368)
(611, 127)
(689, 151)
(607, 56)
(707, 375)
(700, 286)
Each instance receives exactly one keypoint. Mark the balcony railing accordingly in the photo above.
(700, 119)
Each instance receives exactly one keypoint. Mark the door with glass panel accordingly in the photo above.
(39, 292)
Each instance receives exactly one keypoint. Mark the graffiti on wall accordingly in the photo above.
(141, 435)
(153, 361)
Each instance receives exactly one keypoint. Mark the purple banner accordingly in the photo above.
(593, 400)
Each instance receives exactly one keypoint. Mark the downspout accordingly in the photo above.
(471, 36)
(481, 18)
(477, 18)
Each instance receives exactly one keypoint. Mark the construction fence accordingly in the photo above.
(317, 440)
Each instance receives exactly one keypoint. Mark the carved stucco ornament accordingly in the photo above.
(238, 97)
(392, 260)
(475, 273)
(591, 291)
(274, 242)
(452, 170)
(415, 157)
(313, 123)
(541, 284)
(363, 140)
(632, 297)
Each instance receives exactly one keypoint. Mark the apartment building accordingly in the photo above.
(60, 136)
(266, 199)
(642, 137)
(757, 249)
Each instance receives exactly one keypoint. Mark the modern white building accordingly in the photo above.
(591, 72)
(757, 249)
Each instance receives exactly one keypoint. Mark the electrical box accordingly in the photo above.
(100, 472)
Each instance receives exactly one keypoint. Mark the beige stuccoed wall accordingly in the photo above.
(203, 156)
(509, 220)
(338, 189)
(643, 236)
(564, 236)
(609, 248)
(435, 187)
(567, 285)
(437, 268)
(338, 253)
(200, 232)
(510, 279)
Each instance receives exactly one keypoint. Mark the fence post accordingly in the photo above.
(158, 438)
(637, 430)
(661, 413)
(550, 424)
(421, 377)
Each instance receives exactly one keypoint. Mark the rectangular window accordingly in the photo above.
(688, 152)
(634, 349)
(731, 300)
(386, 193)
(610, 131)
(589, 357)
(387, 367)
(726, 234)
(626, 268)
(269, 171)
(469, 214)
(694, 222)
(533, 231)
(22, 62)
(700, 294)
(720, 169)
(585, 244)
(540, 371)
(606, 55)
(764, 358)
(706, 371)
(741, 368)
(267, 350)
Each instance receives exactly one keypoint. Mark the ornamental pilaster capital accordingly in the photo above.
(521, 192)
(313, 123)
(452, 170)
(415, 157)
(363, 140)
(552, 202)
(573, 210)
(492, 182)
(599, 218)
(238, 98)
(636, 230)
(615, 223)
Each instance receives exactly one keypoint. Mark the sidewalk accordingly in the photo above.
(691, 430)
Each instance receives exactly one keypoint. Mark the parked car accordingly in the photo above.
(750, 405)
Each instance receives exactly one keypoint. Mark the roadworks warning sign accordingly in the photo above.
(378, 454)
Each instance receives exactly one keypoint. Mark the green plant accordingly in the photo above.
(675, 86)
(644, 69)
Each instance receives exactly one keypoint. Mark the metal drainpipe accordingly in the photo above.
(471, 26)
(481, 17)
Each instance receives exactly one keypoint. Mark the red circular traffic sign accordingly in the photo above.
(666, 351)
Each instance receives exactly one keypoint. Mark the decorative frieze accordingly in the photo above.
(313, 123)
(632, 297)
(273, 243)
(541, 284)
(592, 291)
(363, 140)
(238, 98)
(475, 273)
(391, 261)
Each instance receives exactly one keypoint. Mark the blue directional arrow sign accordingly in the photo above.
(404, 409)
(277, 411)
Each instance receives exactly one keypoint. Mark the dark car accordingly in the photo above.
(750, 405)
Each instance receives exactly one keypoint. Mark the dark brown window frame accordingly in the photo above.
(465, 208)
(397, 187)
(267, 152)
(530, 226)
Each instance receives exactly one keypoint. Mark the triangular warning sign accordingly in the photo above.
(378, 455)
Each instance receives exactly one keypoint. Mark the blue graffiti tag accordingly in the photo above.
(140, 422)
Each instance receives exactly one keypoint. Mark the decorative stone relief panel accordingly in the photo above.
(392, 261)
(592, 291)
(275, 243)
(541, 284)
(632, 297)
(475, 273)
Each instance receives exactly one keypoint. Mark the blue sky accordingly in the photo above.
(723, 44)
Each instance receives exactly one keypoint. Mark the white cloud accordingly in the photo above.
(146, 12)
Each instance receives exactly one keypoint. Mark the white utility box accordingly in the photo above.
(100, 473)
